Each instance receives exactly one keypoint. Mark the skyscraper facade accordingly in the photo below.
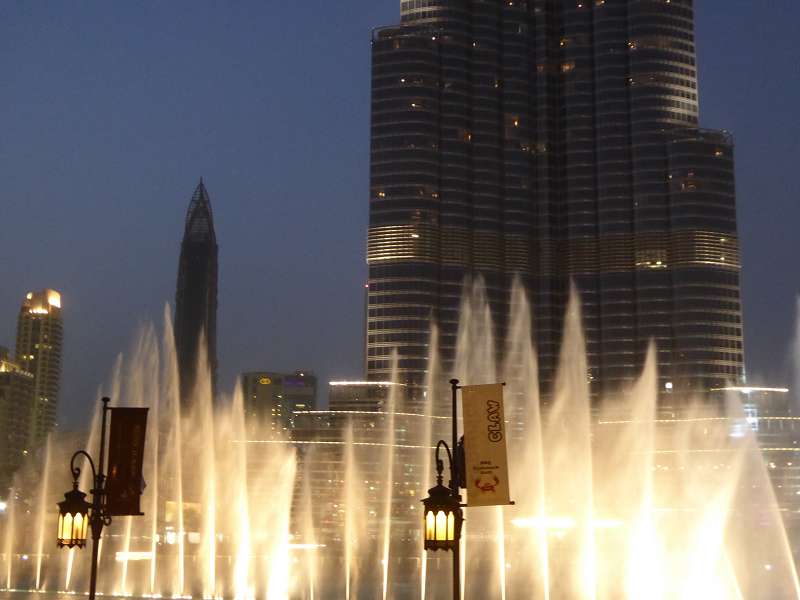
(16, 411)
(196, 296)
(360, 424)
(272, 398)
(40, 336)
(552, 142)
(371, 396)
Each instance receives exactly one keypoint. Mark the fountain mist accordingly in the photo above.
(388, 482)
(352, 500)
(42, 505)
(613, 500)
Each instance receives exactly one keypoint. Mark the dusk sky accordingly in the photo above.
(111, 112)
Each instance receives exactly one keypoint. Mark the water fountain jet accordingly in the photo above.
(612, 501)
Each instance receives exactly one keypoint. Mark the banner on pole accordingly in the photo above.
(125, 483)
(485, 445)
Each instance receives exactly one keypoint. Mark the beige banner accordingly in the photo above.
(485, 445)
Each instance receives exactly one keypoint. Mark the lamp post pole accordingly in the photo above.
(98, 518)
(454, 490)
(98, 496)
(443, 516)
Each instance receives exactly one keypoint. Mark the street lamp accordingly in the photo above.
(442, 511)
(76, 515)
(73, 519)
(442, 508)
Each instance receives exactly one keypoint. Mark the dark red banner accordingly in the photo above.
(125, 483)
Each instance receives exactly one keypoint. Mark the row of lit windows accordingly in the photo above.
(664, 69)
(417, 4)
(421, 312)
(653, 117)
(413, 364)
(660, 42)
(423, 14)
(662, 79)
(669, 30)
(405, 298)
(415, 352)
(400, 337)
(709, 355)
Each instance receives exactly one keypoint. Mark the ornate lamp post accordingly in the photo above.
(76, 515)
(442, 512)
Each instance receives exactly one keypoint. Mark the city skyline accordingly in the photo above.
(128, 282)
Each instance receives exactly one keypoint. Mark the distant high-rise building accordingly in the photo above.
(16, 411)
(196, 296)
(274, 397)
(40, 336)
(369, 396)
(359, 414)
(552, 142)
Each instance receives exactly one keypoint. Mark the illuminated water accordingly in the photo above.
(611, 503)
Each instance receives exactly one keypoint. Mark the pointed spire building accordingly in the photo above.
(196, 295)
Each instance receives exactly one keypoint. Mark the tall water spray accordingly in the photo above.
(612, 499)
(8, 542)
(309, 539)
(388, 483)
(425, 441)
(354, 514)
(44, 495)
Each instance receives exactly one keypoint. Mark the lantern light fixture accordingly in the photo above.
(73, 519)
(442, 512)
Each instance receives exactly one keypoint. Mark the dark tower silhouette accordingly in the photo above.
(196, 295)
(552, 142)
